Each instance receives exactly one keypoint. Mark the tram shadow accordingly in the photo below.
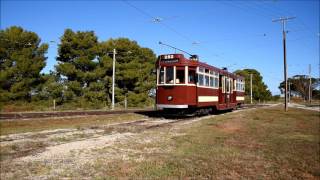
(179, 115)
(164, 114)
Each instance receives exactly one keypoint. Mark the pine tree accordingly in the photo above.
(134, 67)
(22, 57)
(77, 62)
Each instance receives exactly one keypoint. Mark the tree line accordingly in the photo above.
(260, 91)
(82, 76)
(299, 87)
(83, 73)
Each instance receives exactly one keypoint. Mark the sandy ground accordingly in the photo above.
(73, 148)
(313, 108)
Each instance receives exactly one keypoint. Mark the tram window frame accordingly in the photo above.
(180, 76)
(192, 74)
(212, 81)
(223, 84)
(210, 78)
(168, 78)
(216, 79)
(206, 78)
(240, 83)
(201, 79)
(227, 85)
(161, 75)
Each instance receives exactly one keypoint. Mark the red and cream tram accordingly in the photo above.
(187, 85)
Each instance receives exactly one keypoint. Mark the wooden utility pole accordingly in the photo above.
(310, 92)
(113, 76)
(283, 20)
(289, 97)
(250, 88)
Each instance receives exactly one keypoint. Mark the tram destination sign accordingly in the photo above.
(169, 60)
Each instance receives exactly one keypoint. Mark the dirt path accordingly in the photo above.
(62, 149)
(300, 106)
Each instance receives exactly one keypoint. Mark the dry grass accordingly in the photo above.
(258, 144)
(11, 127)
(265, 143)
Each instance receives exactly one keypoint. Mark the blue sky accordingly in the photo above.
(233, 34)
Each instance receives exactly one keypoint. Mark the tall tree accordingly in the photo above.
(134, 67)
(86, 65)
(49, 88)
(22, 57)
(77, 61)
(299, 85)
(259, 89)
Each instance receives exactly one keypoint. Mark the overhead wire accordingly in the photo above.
(216, 56)
(245, 9)
(287, 11)
(170, 28)
(160, 21)
(280, 12)
(271, 13)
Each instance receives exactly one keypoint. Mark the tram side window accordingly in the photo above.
(216, 79)
(169, 75)
(191, 78)
(211, 81)
(201, 80)
(240, 85)
(227, 85)
(161, 75)
(207, 81)
(180, 76)
(216, 82)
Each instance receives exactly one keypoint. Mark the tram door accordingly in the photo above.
(225, 90)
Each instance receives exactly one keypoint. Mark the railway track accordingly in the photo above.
(51, 114)
(157, 120)
(32, 115)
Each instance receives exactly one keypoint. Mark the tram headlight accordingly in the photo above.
(170, 98)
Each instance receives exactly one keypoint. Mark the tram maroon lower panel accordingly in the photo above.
(181, 95)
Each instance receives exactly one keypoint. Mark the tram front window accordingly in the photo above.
(161, 75)
(180, 76)
(169, 75)
(191, 78)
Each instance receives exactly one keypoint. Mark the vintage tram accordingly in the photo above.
(190, 86)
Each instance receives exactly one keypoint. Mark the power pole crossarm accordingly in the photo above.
(283, 20)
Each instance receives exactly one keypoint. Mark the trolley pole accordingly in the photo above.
(283, 21)
(113, 76)
(250, 88)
